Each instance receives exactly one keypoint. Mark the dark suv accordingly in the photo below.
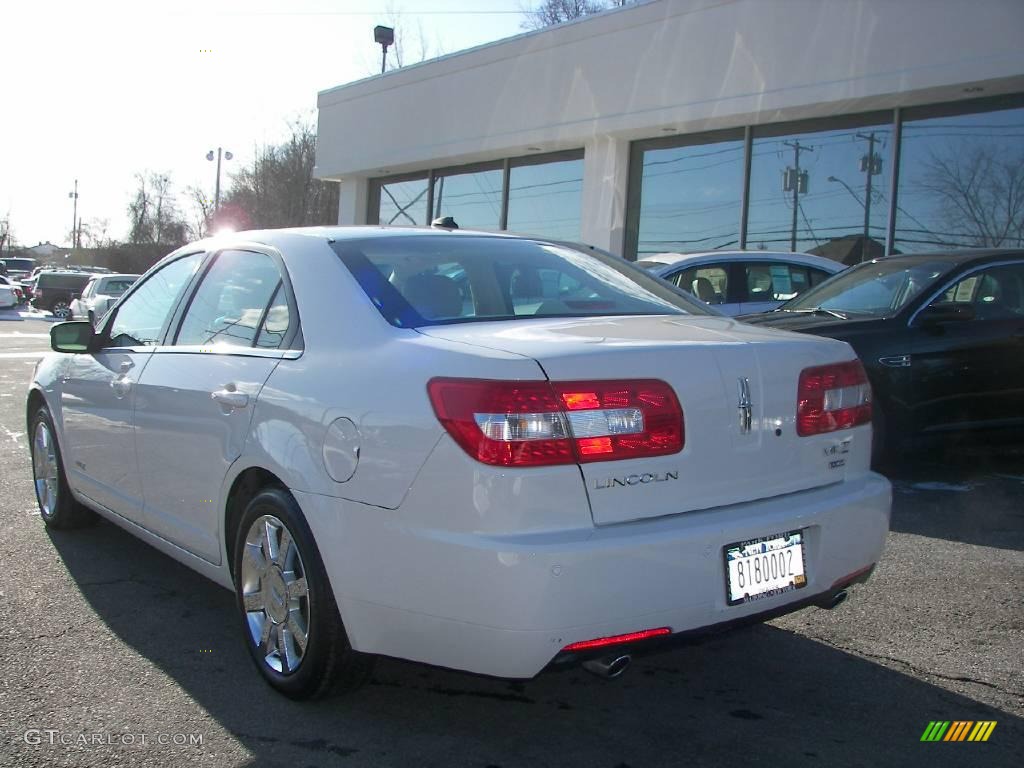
(54, 291)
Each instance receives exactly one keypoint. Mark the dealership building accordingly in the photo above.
(841, 127)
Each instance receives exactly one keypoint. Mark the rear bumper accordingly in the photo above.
(507, 605)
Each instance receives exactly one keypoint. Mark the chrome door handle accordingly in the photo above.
(121, 386)
(230, 398)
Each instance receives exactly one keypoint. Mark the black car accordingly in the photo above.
(941, 336)
(54, 291)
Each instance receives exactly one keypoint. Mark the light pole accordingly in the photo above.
(74, 216)
(385, 36)
(216, 194)
(848, 189)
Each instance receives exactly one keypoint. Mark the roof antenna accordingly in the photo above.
(444, 222)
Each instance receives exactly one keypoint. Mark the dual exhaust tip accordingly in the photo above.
(608, 667)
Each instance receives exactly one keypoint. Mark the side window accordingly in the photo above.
(777, 282)
(142, 315)
(275, 325)
(995, 294)
(818, 276)
(90, 288)
(709, 284)
(229, 304)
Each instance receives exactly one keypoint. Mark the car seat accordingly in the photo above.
(704, 290)
(433, 296)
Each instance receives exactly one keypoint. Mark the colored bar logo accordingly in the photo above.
(958, 730)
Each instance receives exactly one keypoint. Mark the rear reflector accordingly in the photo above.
(632, 637)
(831, 397)
(536, 423)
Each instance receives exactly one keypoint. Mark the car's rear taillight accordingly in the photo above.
(533, 423)
(831, 397)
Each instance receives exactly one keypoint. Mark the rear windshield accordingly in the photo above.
(21, 265)
(65, 280)
(438, 280)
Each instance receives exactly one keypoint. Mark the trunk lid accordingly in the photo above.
(704, 359)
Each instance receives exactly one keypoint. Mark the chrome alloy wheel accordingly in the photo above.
(44, 469)
(275, 594)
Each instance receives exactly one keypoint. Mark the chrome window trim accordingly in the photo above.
(962, 276)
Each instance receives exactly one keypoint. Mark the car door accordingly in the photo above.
(80, 306)
(969, 373)
(196, 397)
(98, 391)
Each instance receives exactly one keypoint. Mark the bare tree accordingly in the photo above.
(6, 233)
(278, 188)
(201, 208)
(551, 12)
(980, 194)
(153, 214)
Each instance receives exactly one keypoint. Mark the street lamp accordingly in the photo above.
(74, 217)
(216, 194)
(384, 36)
(848, 189)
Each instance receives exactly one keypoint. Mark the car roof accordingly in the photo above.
(683, 259)
(956, 257)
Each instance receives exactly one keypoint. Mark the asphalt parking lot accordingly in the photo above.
(113, 654)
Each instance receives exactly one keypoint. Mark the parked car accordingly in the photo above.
(739, 282)
(576, 460)
(99, 295)
(15, 287)
(941, 336)
(18, 268)
(8, 296)
(55, 290)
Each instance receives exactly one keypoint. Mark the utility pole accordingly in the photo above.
(796, 181)
(74, 216)
(869, 165)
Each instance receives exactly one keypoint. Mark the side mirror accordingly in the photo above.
(74, 336)
(945, 312)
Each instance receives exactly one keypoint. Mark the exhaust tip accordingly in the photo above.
(838, 599)
(608, 667)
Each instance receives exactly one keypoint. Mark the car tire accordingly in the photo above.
(61, 310)
(283, 594)
(57, 506)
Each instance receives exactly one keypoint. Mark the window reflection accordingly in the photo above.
(472, 199)
(809, 190)
(962, 182)
(404, 203)
(545, 199)
(690, 198)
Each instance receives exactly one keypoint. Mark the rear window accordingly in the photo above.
(20, 265)
(73, 281)
(437, 280)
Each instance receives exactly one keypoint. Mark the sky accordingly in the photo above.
(102, 90)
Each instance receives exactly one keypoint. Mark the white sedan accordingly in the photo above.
(742, 282)
(8, 293)
(477, 451)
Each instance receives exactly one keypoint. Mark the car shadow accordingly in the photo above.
(762, 693)
(967, 493)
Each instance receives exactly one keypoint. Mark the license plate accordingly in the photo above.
(764, 567)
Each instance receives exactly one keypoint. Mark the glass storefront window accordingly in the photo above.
(472, 199)
(690, 198)
(544, 199)
(403, 203)
(961, 181)
(808, 188)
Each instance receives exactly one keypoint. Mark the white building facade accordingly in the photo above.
(692, 125)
